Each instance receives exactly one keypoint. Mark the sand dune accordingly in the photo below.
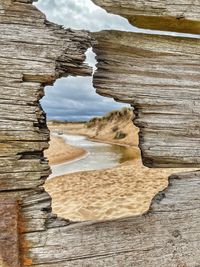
(116, 127)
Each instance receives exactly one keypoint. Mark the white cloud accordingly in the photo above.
(81, 14)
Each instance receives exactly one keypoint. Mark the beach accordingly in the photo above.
(121, 191)
(60, 152)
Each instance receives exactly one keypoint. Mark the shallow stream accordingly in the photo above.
(99, 156)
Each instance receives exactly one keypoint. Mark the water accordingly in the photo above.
(99, 156)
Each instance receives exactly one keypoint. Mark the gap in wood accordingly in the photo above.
(121, 191)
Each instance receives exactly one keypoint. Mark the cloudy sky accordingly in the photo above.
(74, 98)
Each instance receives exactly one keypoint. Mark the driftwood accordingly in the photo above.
(35, 53)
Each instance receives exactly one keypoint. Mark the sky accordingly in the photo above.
(74, 98)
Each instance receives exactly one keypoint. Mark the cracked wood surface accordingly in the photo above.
(165, 15)
(34, 53)
(159, 76)
(168, 235)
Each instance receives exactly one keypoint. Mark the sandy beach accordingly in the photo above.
(122, 191)
(60, 152)
(107, 194)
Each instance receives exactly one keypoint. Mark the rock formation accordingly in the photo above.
(163, 73)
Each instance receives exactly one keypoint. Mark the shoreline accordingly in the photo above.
(60, 152)
(99, 140)
(122, 191)
(82, 153)
(87, 153)
(93, 139)
(105, 135)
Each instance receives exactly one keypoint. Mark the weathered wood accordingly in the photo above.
(33, 54)
(166, 15)
(168, 235)
(159, 76)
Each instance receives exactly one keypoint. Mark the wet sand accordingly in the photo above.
(60, 152)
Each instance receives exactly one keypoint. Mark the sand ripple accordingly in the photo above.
(107, 194)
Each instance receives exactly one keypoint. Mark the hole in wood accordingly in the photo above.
(123, 191)
(48, 239)
(87, 187)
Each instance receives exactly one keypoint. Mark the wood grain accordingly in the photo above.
(34, 53)
(165, 15)
(168, 235)
(159, 76)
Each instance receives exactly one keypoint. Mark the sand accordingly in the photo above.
(60, 152)
(103, 132)
(122, 191)
(119, 192)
